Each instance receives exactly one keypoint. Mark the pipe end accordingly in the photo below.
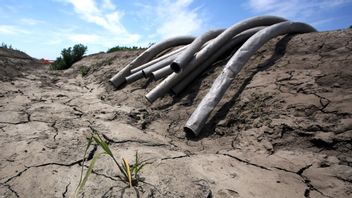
(175, 67)
(116, 83)
(145, 75)
(152, 76)
(189, 132)
(149, 99)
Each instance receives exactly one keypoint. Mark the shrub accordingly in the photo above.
(68, 57)
(84, 70)
(4, 45)
(123, 48)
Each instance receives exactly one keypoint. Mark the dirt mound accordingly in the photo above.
(13, 62)
(295, 89)
(283, 129)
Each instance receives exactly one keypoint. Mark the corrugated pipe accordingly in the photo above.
(198, 118)
(194, 47)
(206, 52)
(237, 40)
(147, 55)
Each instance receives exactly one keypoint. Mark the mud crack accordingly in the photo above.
(177, 157)
(247, 162)
(10, 189)
(55, 129)
(66, 189)
(145, 143)
(90, 156)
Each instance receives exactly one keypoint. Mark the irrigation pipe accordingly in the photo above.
(118, 79)
(194, 47)
(173, 79)
(198, 118)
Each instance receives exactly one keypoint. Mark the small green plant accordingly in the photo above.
(68, 57)
(130, 173)
(133, 170)
(84, 70)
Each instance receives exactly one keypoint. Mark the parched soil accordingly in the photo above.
(283, 129)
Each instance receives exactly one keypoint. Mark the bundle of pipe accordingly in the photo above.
(198, 118)
(183, 65)
(181, 71)
(148, 55)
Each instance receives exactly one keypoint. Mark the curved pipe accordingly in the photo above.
(240, 38)
(178, 64)
(173, 53)
(147, 55)
(232, 31)
(234, 66)
(207, 51)
(175, 78)
(161, 73)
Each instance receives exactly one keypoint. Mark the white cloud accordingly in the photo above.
(293, 9)
(9, 29)
(107, 4)
(105, 15)
(30, 21)
(172, 18)
(83, 38)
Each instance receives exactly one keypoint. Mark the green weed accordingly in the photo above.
(130, 173)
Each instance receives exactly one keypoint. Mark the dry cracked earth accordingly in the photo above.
(283, 129)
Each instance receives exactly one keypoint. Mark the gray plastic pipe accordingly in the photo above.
(165, 71)
(134, 77)
(234, 66)
(166, 62)
(232, 31)
(240, 38)
(147, 55)
(194, 47)
(173, 53)
(163, 66)
(161, 73)
(173, 79)
(210, 49)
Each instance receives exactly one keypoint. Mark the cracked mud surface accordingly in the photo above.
(284, 128)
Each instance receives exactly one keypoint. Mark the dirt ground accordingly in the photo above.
(283, 129)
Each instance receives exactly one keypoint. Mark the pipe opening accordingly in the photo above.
(175, 67)
(189, 132)
(144, 74)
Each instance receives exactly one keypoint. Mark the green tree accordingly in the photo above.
(69, 56)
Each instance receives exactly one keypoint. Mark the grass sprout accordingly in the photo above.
(130, 173)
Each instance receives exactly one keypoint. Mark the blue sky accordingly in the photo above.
(42, 28)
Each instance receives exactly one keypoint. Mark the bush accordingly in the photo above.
(84, 70)
(68, 57)
(4, 45)
(123, 48)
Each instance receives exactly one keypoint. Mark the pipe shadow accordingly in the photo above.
(209, 128)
